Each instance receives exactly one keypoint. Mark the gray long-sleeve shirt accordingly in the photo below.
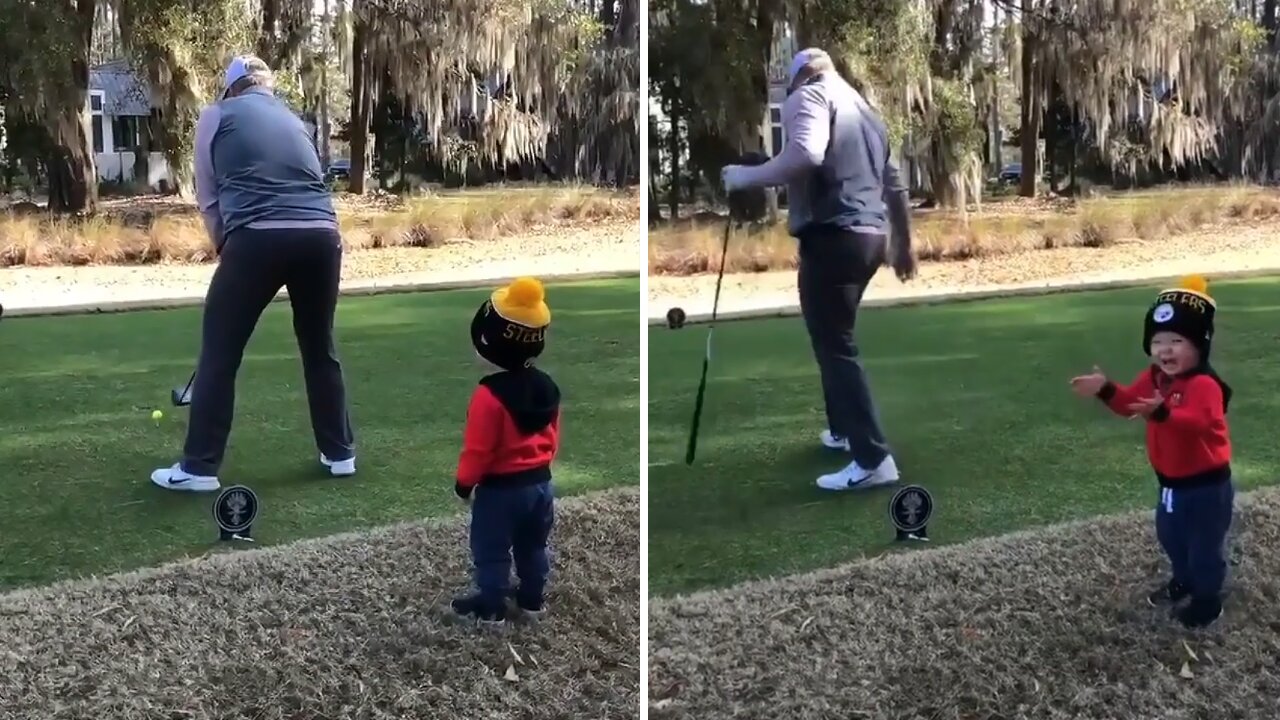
(836, 162)
(266, 175)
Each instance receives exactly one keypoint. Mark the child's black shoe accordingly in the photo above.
(1171, 593)
(533, 607)
(1201, 612)
(474, 607)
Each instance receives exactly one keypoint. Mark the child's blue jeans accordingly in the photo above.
(512, 523)
(1192, 525)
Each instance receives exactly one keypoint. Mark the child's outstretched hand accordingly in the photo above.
(1146, 406)
(1089, 385)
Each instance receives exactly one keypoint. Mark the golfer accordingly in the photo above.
(844, 195)
(270, 216)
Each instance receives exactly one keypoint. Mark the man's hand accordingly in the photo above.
(733, 177)
(903, 263)
(1089, 385)
(1146, 406)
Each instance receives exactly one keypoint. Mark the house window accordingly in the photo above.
(124, 133)
(96, 120)
(778, 137)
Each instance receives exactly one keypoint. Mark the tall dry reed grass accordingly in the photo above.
(130, 236)
(940, 236)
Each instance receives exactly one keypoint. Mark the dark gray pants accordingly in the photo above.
(254, 265)
(835, 269)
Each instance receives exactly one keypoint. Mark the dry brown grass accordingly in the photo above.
(351, 627)
(149, 230)
(1000, 228)
(1049, 624)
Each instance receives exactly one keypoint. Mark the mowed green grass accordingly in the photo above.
(976, 403)
(78, 443)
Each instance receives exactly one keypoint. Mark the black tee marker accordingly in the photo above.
(234, 511)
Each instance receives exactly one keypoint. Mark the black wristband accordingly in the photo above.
(1161, 413)
(1107, 391)
(461, 490)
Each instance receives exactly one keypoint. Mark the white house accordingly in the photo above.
(120, 104)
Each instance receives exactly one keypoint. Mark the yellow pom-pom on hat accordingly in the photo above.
(1196, 285)
(524, 301)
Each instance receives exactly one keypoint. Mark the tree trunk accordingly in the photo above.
(1031, 113)
(1269, 22)
(628, 20)
(1051, 124)
(267, 36)
(944, 19)
(325, 131)
(766, 24)
(361, 100)
(73, 179)
(381, 128)
(1075, 146)
(655, 170)
(997, 136)
(673, 201)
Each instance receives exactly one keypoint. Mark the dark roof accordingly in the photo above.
(124, 92)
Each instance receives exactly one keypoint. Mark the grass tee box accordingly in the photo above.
(77, 393)
(975, 400)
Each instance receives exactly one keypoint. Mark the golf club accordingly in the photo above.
(181, 394)
(744, 206)
(706, 360)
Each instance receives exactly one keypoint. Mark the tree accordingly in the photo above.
(507, 63)
(182, 49)
(44, 57)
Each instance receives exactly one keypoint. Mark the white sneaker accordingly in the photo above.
(856, 477)
(833, 442)
(175, 478)
(341, 468)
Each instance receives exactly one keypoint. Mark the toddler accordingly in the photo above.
(1184, 403)
(511, 437)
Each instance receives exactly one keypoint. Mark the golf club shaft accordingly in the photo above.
(706, 361)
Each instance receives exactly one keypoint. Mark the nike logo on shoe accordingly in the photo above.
(854, 482)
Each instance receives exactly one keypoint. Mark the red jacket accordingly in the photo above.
(512, 432)
(1187, 438)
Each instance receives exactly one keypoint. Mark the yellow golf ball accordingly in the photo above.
(157, 415)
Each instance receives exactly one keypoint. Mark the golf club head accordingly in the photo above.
(181, 395)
